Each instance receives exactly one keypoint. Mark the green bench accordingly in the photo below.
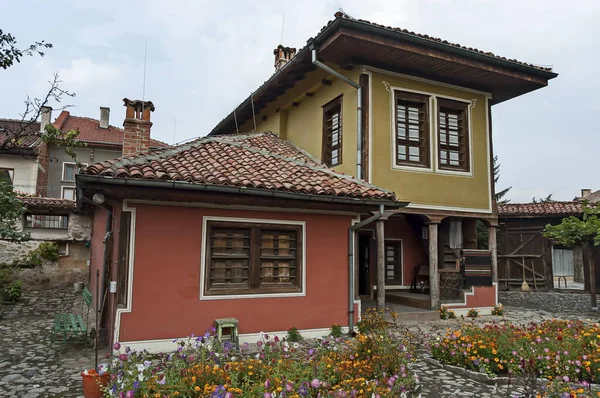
(65, 324)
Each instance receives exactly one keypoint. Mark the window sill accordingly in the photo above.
(405, 167)
(245, 294)
(454, 172)
(68, 181)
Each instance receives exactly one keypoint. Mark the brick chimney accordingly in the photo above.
(137, 125)
(45, 116)
(104, 116)
(585, 193)
(283, 55)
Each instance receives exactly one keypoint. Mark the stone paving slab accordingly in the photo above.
(29, 367)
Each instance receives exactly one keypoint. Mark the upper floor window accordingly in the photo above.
(69, 171)
(7, 175)
(253, 258)
(68, 193)
(453, 142)
(332, 133)
(412, 129)
(46, 221)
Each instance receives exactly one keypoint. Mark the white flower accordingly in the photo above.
(296, 345)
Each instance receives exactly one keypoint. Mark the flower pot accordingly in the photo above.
(93, 384)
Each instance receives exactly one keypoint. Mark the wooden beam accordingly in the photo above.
(380, 264)
(326, 82)
(493, 247)
(434, 278)
(309, 94)
(295, 104)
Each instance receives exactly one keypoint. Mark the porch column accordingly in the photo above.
(380, 264)
(434, 277)
(492, 246)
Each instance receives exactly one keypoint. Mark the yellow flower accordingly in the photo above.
(196, 388)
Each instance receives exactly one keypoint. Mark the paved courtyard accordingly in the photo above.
(30, 368)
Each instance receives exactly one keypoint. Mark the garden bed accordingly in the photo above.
(553, 352)
(370, 365)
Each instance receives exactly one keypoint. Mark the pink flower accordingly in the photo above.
(117, 346)
(315, 383)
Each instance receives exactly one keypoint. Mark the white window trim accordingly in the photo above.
(429, 169)
(437, 168)
(205, 221)
(62, 176)
(62, 192)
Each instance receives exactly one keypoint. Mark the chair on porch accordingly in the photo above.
(420, 274)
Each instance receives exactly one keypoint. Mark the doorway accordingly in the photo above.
(364, 259)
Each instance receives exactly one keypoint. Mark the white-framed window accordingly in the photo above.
(67, 193)
(68, 171)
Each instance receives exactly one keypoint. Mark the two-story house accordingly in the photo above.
(359, 168)
(410, 113)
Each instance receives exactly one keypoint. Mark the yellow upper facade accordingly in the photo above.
(298, 117)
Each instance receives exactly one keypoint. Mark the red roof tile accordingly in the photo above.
(540, 209)
(47, 203)
(257, 160)
(29, 136)
(90, 131)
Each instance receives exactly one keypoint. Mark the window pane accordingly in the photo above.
(401, 131)
(7, 176)
(230, 257)
(332, 131)
(69, 172)
(278, 258)
(414, 133)
(411, 128)
(69, 193)
(46, 221)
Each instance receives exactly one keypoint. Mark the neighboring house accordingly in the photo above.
(523, 248)
(103, 142)
(246, 226)
(410, 113)
(52, 220)
(20, 163)
(589, 196)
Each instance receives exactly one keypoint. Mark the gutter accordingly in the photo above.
(351, 236)
(359, 110)
(237, 190)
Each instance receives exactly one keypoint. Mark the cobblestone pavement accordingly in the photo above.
(29, 367)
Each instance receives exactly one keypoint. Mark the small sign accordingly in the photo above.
(425, 233)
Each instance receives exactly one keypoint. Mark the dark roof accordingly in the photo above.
(591, 198)
(502, 89)
(90, 131)
(51, 204)
(260, 161)
(28, 142)
(548, 209)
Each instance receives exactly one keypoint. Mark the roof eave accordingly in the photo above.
(391, 204)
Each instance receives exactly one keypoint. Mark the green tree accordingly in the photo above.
(10, 53)
(547, 199)
(482, 229)
(584, 232)
(11, 214)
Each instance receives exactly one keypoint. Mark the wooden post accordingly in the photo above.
(434, 278)
(380, 265)
(587, 256)
(493, 247)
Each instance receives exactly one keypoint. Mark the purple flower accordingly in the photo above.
(267, 384)
(122, 357)
(315, 383)
(130, 394)
(117, 346)
(311, 351)
(136, 385)
(121, 394)
(566, 379)
(289, 387)
(259, 343)
(267, 395)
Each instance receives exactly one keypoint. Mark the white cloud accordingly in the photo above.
(85, 74)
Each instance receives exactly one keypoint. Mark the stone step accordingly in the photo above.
(409, 299)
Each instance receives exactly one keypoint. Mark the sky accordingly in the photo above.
(204, 57)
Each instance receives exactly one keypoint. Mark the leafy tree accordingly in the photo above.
(11, 214)
(482, 229)
(547, 199)
(584, 232)
(9, 53)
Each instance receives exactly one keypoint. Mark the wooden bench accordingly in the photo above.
(65, 324)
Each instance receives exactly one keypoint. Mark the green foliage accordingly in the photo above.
(498, 310)
(547, 199)
(446, 313)
(336, 330)
(48, 251)
(373, 321)
(11, 214)
(12, 293)
(9, 53)
(473, 313)
(294, 335)
(573, 231)
(68, 140)
(502, 193)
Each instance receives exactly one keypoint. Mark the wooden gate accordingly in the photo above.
(522, 255)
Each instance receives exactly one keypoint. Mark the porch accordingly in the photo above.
(422, 261)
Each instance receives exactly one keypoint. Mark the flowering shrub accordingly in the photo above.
(564, 350)
(336, 331)
(473, 313)
(368, 366)
(294, 335)
(446, 313)
(498, 310)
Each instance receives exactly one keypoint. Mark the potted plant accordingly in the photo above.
(94, 381)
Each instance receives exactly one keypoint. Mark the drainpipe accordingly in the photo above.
(351, 234)
(359, 111)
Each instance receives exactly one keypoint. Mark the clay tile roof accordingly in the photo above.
(47, 203)
(30, 141)
(342, 15)
(90, 131)
(256, 160)
(540, 209)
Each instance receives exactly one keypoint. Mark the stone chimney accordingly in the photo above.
(137, 125)
(283, 55)
(45, 116)
(104, 116)
(585, 193)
